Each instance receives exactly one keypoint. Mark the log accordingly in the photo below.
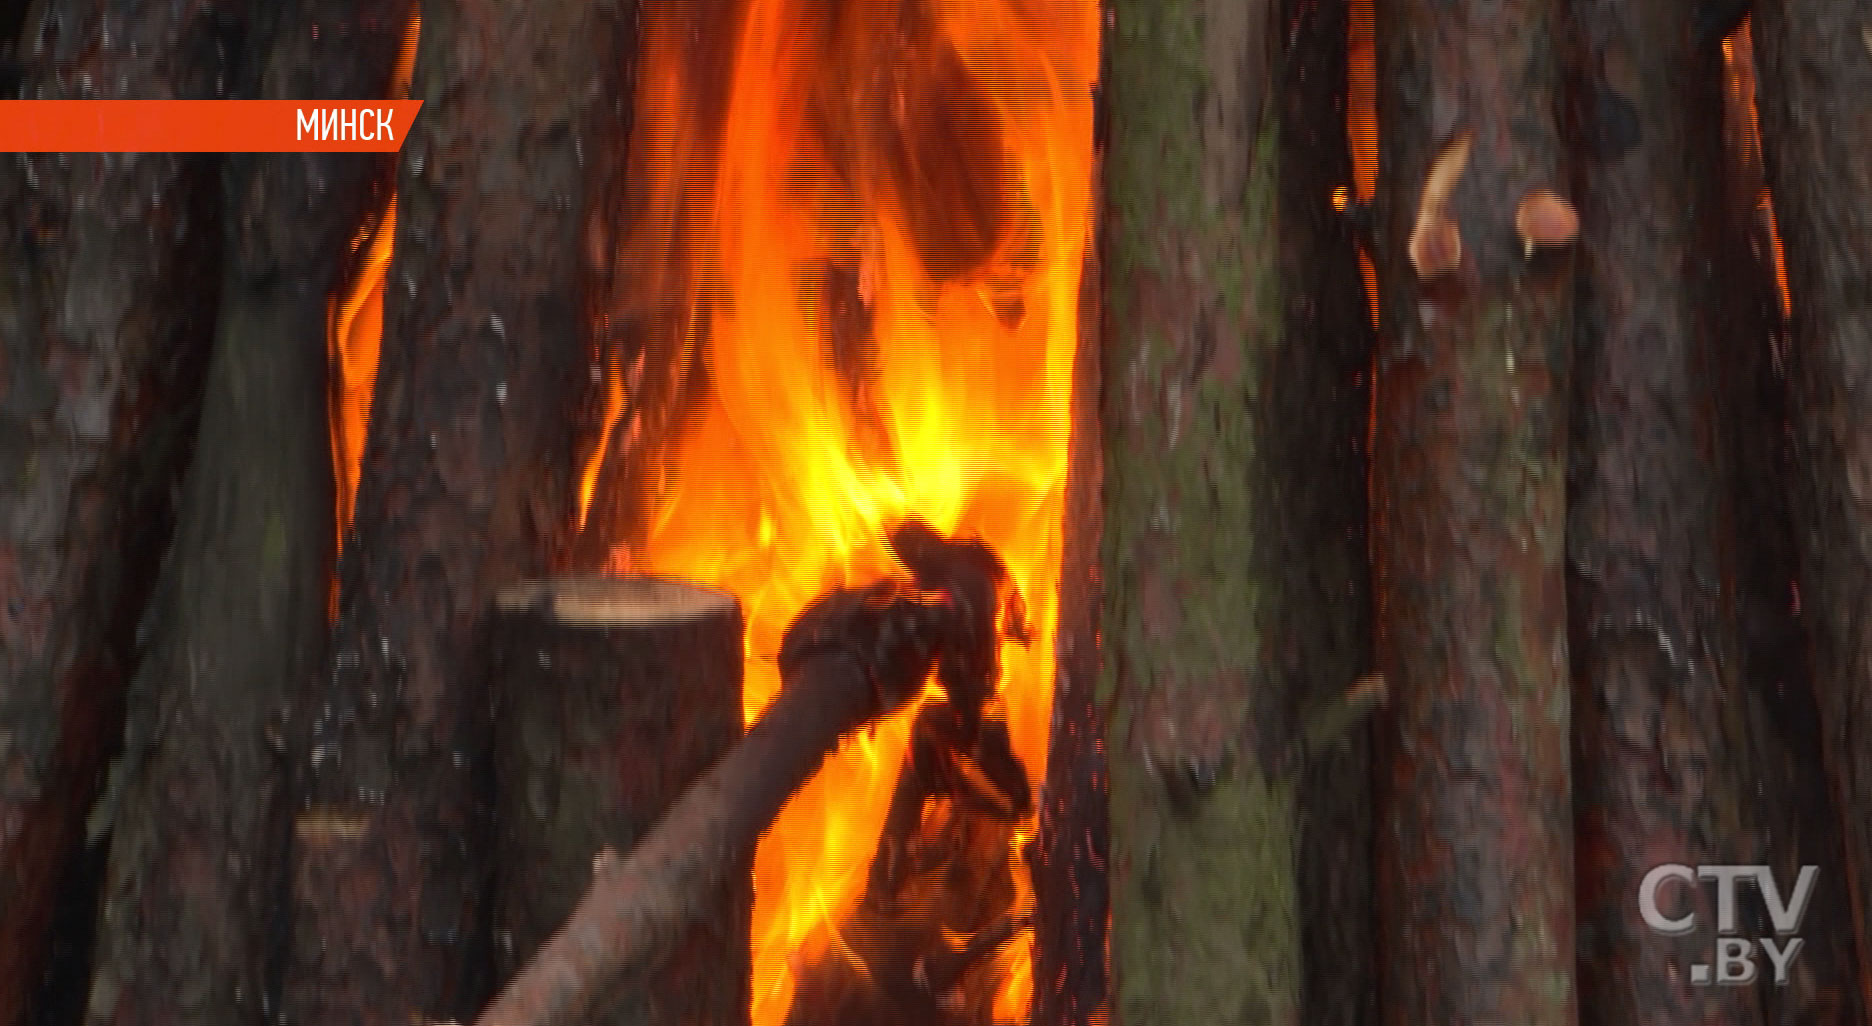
(853, 655)
(1663, 747)
(1072, 893)
(1799, 823)
(467, 485)
(613, 696)
(639, 906)
(106, 306)
(1815, 59)
(1475, 853)
(1218, 599)
(201, 796)
(1324, 387)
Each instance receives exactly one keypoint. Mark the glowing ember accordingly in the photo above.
(354, 324)
(887, 261)
(1739, 82)
(1362, 121)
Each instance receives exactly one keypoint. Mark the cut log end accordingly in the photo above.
(597, 600)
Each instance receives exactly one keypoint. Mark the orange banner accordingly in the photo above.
(204, 126)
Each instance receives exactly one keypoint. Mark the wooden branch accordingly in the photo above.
(639, 906)
(614, 694)
(1475, 854)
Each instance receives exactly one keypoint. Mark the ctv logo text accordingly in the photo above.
(1733, 961)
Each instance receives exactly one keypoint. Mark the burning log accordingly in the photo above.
(104, 317)
(1798, 817)
(238, 623)
(1072, 895)
(849, 658)
(615, 694)
(1817, 128)
(467, 485)
(1663, 753)
(1229, 615)
(1475, 854)
(942, 871)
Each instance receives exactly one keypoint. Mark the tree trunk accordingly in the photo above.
(106, 323)
(638, 905)
(1216, 595)
(1317, 440)
(1072, 895)
(1475, 836)
(1662, 744)
(189, 919)
(1815, 58)
(467, 485)
(614, 695)
(1799, 825)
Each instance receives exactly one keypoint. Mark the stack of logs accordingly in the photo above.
(1592, 497)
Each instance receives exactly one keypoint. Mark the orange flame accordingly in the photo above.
(1739, 63)
(888, 279)
(354, 324)
(1362, 122)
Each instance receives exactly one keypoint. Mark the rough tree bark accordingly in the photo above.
(1815, 58)
(614, 695)
(1798, 822)
(1072, 894)
(189, 917)
(1324, 391)
(1662, 748)
(1217, 603)
(1475, 830)
(106, 322)
(466, 486)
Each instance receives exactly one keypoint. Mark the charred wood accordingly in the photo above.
(1319, 435)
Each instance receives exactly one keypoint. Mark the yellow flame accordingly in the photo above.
(823, 195)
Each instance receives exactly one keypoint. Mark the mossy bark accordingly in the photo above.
(1475, 833)
(467, 485)
(199, 801)
(1214, 593)
(1815, 58)
(1663, 752)
(107, 302)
